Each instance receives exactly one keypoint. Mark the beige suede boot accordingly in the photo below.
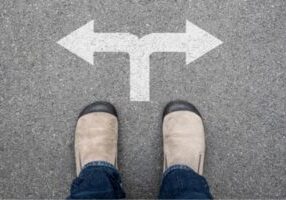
(183, 136)
(96, 135)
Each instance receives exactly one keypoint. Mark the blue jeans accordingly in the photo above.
(100, 180)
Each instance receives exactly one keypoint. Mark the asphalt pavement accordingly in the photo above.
(239, 87)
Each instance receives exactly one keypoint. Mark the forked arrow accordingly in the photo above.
(84, 42)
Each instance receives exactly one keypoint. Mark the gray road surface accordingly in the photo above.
(239, 87)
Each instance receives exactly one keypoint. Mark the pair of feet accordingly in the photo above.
(183, 135)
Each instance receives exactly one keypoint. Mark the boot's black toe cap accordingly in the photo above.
(99, 106)
(180, 106)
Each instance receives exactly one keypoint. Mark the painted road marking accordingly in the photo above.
(84, 42)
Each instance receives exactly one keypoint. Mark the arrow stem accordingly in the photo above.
(139, 77)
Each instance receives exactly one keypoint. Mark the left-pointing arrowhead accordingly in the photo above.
(79, 42)
(199, 42)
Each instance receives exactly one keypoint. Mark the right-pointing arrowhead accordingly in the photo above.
(199, 42)
(79, 42)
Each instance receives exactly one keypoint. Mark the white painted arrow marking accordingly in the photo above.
(84, 42)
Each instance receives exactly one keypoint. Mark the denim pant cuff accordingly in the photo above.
(99, 164)
(182, 182)
(175, 167)
(97, 180)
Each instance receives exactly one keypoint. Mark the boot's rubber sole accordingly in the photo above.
(99, 106)
(179, 105)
